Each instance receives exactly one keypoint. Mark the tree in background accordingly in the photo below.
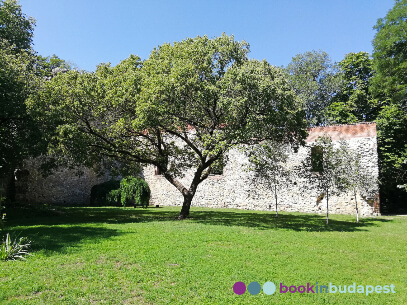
(392, 144)
(18, 133)
(390, 55)
(49, 66)
(389, 86)
(21, 74)
(316, 81)
(17, 130)
(181, 109)
(268, 161)
(354, 102)
(16, 29)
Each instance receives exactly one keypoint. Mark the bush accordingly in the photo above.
(133, 190)
(13, 248)
(100, 193)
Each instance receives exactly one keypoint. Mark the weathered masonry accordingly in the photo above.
(64, 186)
(236, 187)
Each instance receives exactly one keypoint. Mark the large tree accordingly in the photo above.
(16, 29)
(392, 143)
(183, 108)
(389, 86)
(17, 130)
(390, 54)
(354, 102)
(21, 73)
(316, 81)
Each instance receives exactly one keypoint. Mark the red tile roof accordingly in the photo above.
(343, 132)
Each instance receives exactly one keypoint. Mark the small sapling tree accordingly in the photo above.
(354, 174)
(268, 161)
(327, 164)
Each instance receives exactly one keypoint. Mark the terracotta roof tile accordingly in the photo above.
(343, 132)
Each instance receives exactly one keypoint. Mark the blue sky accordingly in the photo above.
(88, 32)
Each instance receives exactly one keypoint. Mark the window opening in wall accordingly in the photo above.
(157, 172)
(317, 157)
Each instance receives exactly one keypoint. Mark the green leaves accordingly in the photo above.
(181, 109)
(13, 248)
(315, 81)
(15, 27)
(389, 87)
(354, 103)
(390, 54)
(134, 188)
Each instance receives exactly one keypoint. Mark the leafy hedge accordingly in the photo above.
(133, 190)
(129, 191)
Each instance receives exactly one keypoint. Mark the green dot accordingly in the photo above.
(254, 288)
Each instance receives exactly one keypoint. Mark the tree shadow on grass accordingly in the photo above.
(257, 220)
(294, 222)
(61, 238)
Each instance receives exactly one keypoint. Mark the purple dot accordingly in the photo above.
(239, 288)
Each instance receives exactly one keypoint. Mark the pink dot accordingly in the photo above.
(239, 288)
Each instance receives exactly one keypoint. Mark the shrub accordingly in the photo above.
(100, 193)
(133, 189)
(13, 248)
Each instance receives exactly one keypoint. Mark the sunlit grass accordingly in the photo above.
(145, 256)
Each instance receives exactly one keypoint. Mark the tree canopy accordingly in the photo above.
(16, 28)
(390, 54)
(182, 108)
(316, 81)
(389, 87)
(18, 133)
(354, 102)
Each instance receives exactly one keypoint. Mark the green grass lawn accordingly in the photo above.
(145, 256)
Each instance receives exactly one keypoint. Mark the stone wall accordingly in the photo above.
(64, 186)
(238, 188)
(235, 188)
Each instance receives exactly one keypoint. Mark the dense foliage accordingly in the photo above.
(133, 190)
(315, 80)
(182, 108)
(191, 101)
(16, 29)
(353, 102)
(389, 85)
(390, 54)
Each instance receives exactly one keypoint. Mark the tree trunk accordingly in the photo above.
(275, 194)
(185, 207)
(357, 210)
(327, 212)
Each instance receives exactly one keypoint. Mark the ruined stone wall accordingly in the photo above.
(238, 188)
(64, 186)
